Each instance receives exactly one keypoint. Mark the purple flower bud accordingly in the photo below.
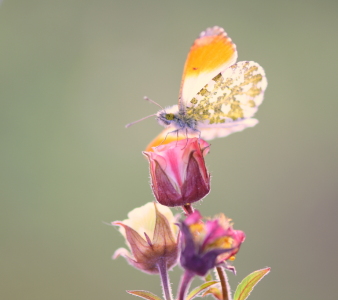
(208, 244)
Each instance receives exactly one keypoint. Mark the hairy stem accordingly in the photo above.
(162, 267)
(224, 283)
(185, 284)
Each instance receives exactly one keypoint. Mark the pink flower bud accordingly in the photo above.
(151, 235)
(178, 172)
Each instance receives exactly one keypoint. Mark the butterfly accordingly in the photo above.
(217, 96)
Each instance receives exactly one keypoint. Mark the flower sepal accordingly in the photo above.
(151, 237)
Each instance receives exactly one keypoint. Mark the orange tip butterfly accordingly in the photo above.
(217, 96)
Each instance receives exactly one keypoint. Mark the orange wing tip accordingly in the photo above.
(212, 50)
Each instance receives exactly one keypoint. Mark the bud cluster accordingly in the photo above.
(157, 241)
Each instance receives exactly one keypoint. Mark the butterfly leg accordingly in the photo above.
(199, 134)
(167, 136)
(186, 135)
(176, 137)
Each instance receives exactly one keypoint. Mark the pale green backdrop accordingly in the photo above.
(73, 73)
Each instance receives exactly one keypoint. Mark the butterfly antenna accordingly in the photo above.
(132, 123)
(152, 101)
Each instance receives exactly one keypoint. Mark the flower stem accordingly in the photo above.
(188, 209)
(224, 283)
(185, 283)
(162, 267)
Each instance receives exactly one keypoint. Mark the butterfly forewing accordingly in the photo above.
(231, 96)
(212, 52)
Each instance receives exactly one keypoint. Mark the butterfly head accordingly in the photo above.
(169, 117)
(165, 118)
(172, 117)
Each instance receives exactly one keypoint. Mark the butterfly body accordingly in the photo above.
(177, 120)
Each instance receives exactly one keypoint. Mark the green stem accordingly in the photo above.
(162, 267)
(185, 283)
(224, 283)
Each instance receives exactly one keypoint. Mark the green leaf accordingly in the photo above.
(213, 291)
(200, 289)
(248, 283)
(145, 295)
(208, 277)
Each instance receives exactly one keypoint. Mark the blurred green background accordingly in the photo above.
(73, 73)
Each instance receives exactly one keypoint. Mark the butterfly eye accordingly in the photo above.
(169, 117)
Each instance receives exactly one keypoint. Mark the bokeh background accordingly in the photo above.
(73, 73)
